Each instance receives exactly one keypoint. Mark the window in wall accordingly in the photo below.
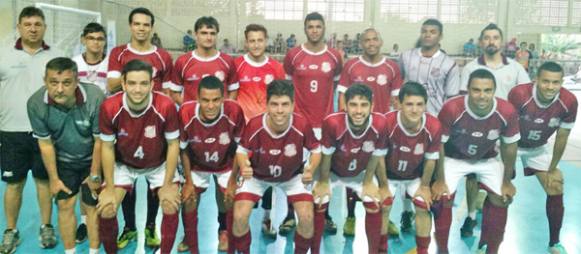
(408, 10)
(339, 10)
(468, 11)
(576, 17)
(541, 12)
(276, 9)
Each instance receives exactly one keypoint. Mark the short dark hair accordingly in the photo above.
(211, 83)
(93, 28)
(434, 22)
(136, 65)
(482, 74)
(550, 66)
(314, 16)
(207, 21)
(359, 89)
(30, 11)
(61, 64)
(141, 10)
(255, 28)
(412, 88)
(491, 26)
(280, 88)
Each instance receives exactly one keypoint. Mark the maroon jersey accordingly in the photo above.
(212, 145)
(384, 79)
(408, 151)
(140, 138)
(538, 122)
(470, 137)
(312, 75)
(351, 152)
(190, 68)
(158, 58)
(277, 158)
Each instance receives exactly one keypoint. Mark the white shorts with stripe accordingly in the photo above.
(535, 159)
(489, 172)
(409, 187)
(253, 189)
(124, 176)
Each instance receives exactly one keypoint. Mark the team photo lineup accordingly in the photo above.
(409, 129)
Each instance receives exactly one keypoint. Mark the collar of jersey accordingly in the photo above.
(314, 53)
(212, 123)
(400, 123)
(254, 63)
(475, 116)
(366, 128)
(434, 56)
(205, 59)
(126, 106)
(80, 94)
(134, 51)
(265, 126)
(372, 64)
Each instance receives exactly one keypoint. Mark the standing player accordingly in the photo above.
(139, 133)
(313, 67)
(93, 62)
(413, 139)
(471, 126)
(544, 108)
(508, 74)
(21, 69)
(353, 144)
(64, 117)
(270, 154)
(210, 130)
(205, 60)
(141, 22)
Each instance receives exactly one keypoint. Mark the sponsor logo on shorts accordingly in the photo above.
(368, 146)
(290, 150)
(326, 67)
(419, 149)
(493, 134)
(150, 131)
(224, 138)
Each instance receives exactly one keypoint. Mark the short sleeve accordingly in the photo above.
(311, 142)
(511, 132)
(106, 125)
(345, 78)
(287, 64)
(568, 120)
(328, 137)
(176, 80)
(115, 66)
(172, 129)
(232, 81)
(167, 74)
(97, 109)
(446, 121)
(37, 112)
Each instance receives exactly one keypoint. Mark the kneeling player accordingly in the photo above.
(140, 130)
(414, 139)
(544, 108)
(353, 144)
(271, 154)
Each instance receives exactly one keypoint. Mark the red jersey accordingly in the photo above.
(538, 122)
(190, 68)
(384, 79)
(158, 58)
(140, 138)
(470, 137)
(278, 158)
(408, 151)
(212, 145)
(253, 78)
(312, 75)
(350, 152)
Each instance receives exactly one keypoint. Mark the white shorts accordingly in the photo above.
(202, 179)
(354, 183)
(410, 188)
(318, 133)
(124, 176)
(489, 172)
(253, 189)
(535, 159)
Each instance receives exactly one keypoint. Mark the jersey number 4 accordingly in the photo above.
(139, 153)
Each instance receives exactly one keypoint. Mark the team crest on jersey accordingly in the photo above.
(493, 134)
(539, 120)
(268, 78)
(220, 75)
(313, 67)
(419, 149)
(368, 146)
(435, 72)
(149, 131)
(326, 67)
(381, 79)
(554, 122)
(256, 79)
(405, 149)
(290, 150)
(224, 138)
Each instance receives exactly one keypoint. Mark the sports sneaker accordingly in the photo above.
(392, 230)
(47, 236)
(183, 247)
(467, 229)
(407, 220)
(10, 241)
(81, 233)
(267, 229)
(349, 227)
(330, 226)
(557, 249)
(287, 226)
(223, 240)
(151, 238)
(126, 237)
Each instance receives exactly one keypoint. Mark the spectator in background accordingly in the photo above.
(534, 54)
(347, 43)
(523, 55)
(291, 41)
(188, 41)
(279, 44)
(511, 48)
(332, 42)
(227, 48)
(155, 40)
(469, 48)
(340, 48)
(394, 51)
(355, 48)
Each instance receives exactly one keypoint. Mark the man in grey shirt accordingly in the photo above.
(64, 117)
(21, 70)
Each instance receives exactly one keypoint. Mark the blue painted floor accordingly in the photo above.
(526, 232)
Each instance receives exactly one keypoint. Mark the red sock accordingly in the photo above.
(319, 227)
(422, 243)
(302, 245)
(190, 221)
(229, 222)
(108, 231)
(243, 243)
(383, 244)
(442, 210)
(493, 224)
(373, 231)
(169, 227)
(555, 211)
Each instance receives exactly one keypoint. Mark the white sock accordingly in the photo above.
(407, 205)
(472, 215)
(70, 251)
(266, 214)
(93, 251)
(84, 219)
